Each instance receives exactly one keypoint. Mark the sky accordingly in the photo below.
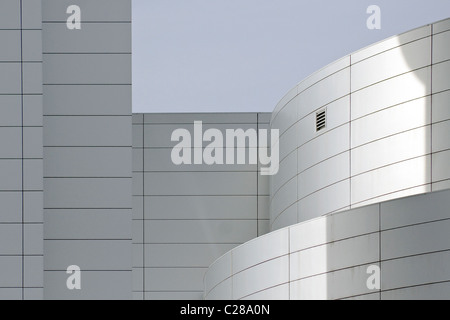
(245, 55)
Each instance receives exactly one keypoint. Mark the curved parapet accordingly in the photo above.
(387, 123)
(359, 208)
(403, 242)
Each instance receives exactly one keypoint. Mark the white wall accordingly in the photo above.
(87, 149)
(386, 138)
(328, 257)
(185, 217)
(387, 129)
(21, 166)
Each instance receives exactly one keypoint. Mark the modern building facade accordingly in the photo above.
(363, 179)
(87, 148)
(386, 109)
(336, 256)
(385, 136)
(21, 150)
(65, 98)
(187, 216)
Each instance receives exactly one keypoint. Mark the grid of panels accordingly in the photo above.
(185, 217)
(398, 114)
(21, 219)
(406, 238)
(87, 149)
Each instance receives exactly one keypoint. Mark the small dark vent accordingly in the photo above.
(321, 120)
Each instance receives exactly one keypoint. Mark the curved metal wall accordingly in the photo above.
(388, 124)
(329, 257)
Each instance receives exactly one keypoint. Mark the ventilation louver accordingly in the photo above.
(321, 120)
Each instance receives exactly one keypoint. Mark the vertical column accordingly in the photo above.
(264, 181)
(138, 208)
(21, 275)
(87, 148)
(10, 151)
(32, 149)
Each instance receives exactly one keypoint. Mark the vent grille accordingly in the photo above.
(321, 120)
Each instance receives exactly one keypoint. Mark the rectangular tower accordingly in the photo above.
(87, 148)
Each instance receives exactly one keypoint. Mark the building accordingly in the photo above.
(363, 178)
(65, 149)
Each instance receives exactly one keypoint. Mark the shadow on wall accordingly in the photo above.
(330, 255)
(378, 249)
(391, 132)
(377, 134)
(391, 121)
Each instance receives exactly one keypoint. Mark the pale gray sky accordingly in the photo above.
(244, 55)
